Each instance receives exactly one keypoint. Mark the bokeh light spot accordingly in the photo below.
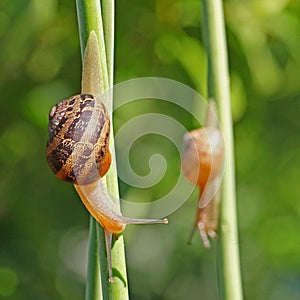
(8, 282)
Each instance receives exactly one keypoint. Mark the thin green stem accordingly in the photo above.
(108, 8)
(90, 19)
(93, 286)
(215, 38)
(97, 77)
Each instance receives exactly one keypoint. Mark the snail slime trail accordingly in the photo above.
(78, 152)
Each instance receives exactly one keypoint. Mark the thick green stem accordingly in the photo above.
(97, 77)
(214, 30)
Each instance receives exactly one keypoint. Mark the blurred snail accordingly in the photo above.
(202, 163)
(78, 152)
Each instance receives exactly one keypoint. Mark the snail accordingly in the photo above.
(78, 152)
(202, 163)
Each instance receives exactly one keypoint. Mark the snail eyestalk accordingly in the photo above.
(145, 221)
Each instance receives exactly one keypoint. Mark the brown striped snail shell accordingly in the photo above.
(68, 156)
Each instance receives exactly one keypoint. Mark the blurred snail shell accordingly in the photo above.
(78, 152)
(70, 155)
(202, 162)
(203, 155)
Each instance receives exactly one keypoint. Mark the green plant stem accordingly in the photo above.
(108, 8)
(215, 38)
(93, 286)
(90, 19)
(97, 77)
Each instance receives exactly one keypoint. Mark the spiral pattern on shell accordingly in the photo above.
(78, 139)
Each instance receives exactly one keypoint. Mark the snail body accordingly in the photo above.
(78, 152)
(202, 162)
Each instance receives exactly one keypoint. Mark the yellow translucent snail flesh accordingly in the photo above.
(78, 152)
(202, 164)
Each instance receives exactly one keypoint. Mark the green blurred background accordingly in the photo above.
(44, 226)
